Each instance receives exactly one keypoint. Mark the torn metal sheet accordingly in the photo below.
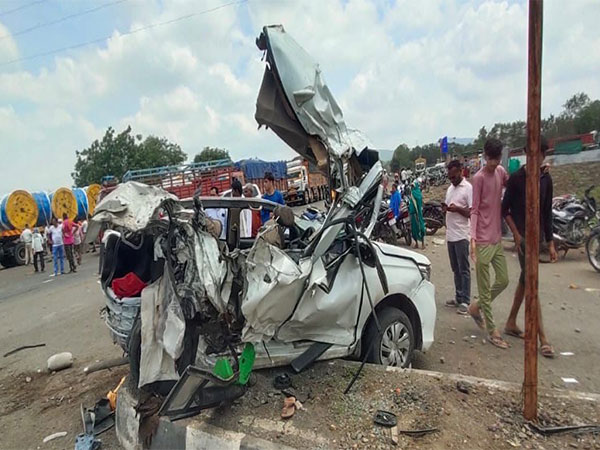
(274, 283)
(156, 364)
(308, 107)
(131, 205)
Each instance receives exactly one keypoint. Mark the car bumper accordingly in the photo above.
(424, 299)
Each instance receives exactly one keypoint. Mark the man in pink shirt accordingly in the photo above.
(486, 238)
(69, 229)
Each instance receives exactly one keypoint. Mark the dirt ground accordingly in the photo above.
(63, 313)
(476, 417)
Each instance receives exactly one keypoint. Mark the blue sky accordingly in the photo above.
(403, 72)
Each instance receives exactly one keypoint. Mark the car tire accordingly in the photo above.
(395, 345)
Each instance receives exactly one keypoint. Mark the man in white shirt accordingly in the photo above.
(219, 214)
(37, 243)
(58, 248)
(26, 236)
(459, 199)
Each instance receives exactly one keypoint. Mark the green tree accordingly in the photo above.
(115, 154)
(211, 154)
(402, 158)
(574, 105)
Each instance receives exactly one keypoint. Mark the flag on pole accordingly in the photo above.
(444, 145)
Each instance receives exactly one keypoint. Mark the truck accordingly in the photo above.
(12, 250)
(185, 181)
(254, 171)
(305, 184)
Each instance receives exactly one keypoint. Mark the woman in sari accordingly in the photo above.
(415, 208)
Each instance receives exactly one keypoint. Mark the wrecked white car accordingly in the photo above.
(197, 308)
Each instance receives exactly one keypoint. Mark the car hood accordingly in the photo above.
(392, 250)
(296, 103)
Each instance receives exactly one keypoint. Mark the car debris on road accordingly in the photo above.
(207, 307)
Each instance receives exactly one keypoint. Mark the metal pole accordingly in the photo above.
(532, 222)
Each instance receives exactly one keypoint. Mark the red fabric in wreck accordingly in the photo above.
(128, 286)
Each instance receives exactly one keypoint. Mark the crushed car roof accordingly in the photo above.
(307, 107)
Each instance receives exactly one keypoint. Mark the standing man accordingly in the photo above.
(270, 194)
(459, 199)
(77, 243)
(245, 214)
(69, 228)
(58, 251)
(513, 210)
(219, 214)
(37, 242)
(26, 236)
(486, 237)
(250, 192)
(395, 201)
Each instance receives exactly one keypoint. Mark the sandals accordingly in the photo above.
(514, 333)
(498, 342)
(477, 318)
(289, 407)
(547, 351)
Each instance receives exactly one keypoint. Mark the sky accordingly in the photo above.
(403, 71)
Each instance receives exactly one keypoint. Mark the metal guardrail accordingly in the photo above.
(133, 175)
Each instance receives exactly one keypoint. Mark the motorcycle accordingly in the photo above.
(592, 247)
(434, 217)
(402, 225)
(572, 220)
(384, 229)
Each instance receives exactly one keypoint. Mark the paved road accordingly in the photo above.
(565, 310)
(63, 312)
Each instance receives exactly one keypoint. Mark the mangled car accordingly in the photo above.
(198, 305)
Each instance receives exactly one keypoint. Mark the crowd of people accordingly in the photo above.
(63, 238)
(474, 215)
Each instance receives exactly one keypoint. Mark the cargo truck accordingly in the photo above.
(305, 184)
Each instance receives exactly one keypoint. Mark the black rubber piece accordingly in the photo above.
(385, 418)
(282, 381)
(309, 356)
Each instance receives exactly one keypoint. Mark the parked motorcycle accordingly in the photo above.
(434, 217)
(384, 229)
(572, 220)
(402, 225)
(592, 247)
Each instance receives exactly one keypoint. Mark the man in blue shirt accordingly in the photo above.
(395, 201)
(270, 194)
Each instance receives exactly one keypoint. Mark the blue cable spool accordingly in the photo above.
(42, 201)
(82, 203)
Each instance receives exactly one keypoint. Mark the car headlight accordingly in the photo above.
(425, 270)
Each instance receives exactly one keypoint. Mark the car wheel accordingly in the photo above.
(395, 345)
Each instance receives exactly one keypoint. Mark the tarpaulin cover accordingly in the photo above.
(256, 168)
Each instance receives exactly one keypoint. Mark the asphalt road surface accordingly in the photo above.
(63, 313)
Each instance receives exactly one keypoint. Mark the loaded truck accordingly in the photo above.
(21, 208)
(305, 184)
(184, 181)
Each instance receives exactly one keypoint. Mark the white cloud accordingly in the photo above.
(402, 71)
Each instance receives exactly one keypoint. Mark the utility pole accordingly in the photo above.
(532, 221)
